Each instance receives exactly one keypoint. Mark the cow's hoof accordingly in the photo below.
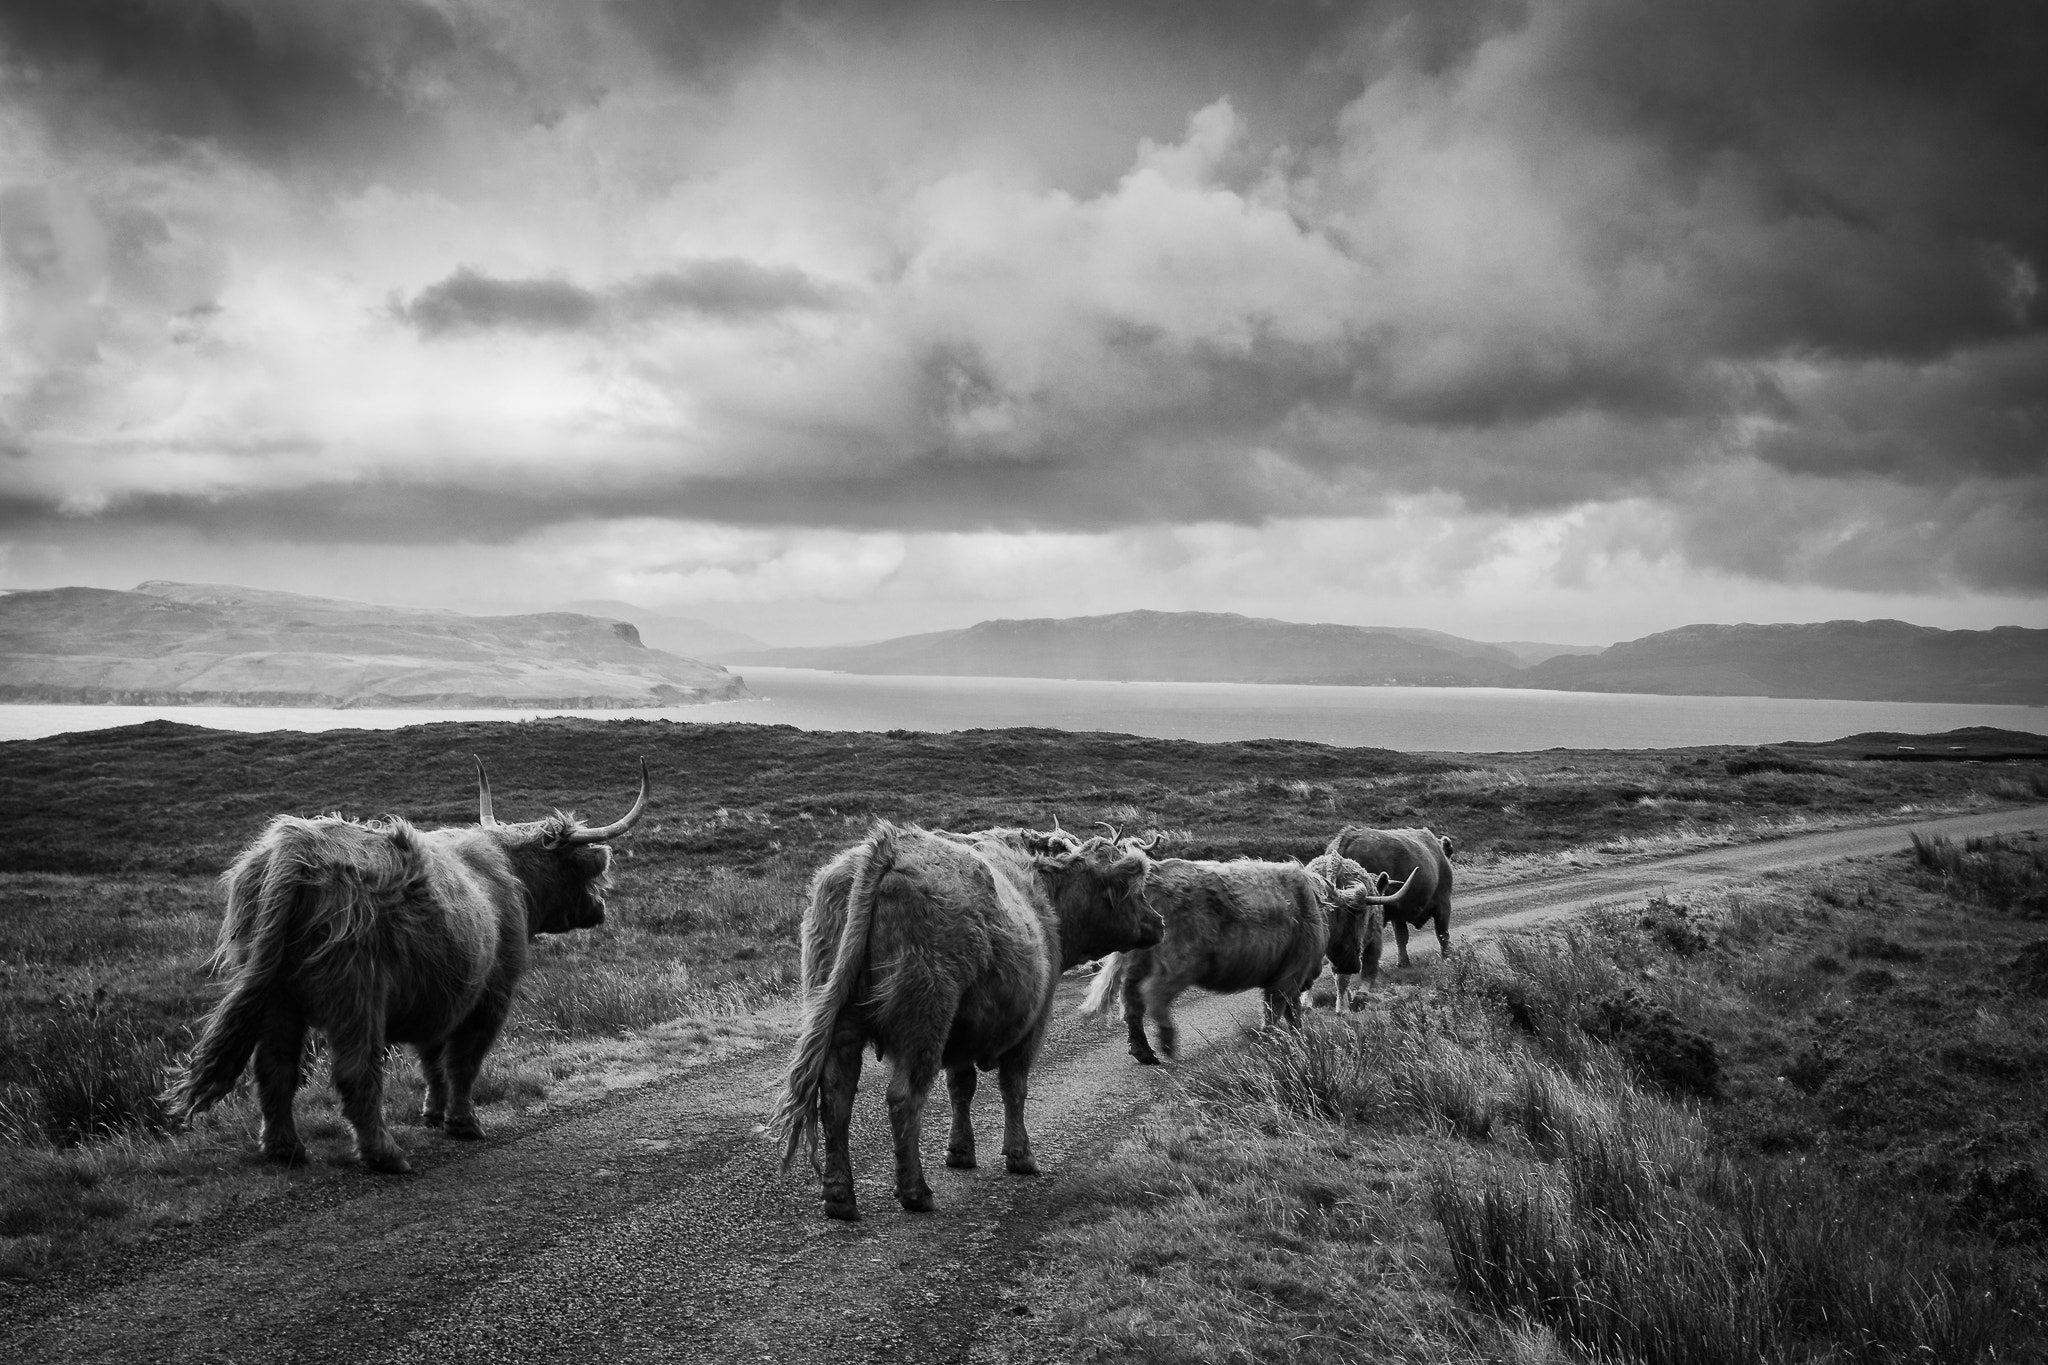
(959, 1160)
(1020, 1165)
(918, 1201)
(1146, 1058)
(432, 1118)
(293, 1154)
(844, 1210)
(466, 1129)
(390, 1162)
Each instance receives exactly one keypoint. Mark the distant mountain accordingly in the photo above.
(221, 645)
(1528, 652)
(684, 635)
(1844, 660)
(1183, 646)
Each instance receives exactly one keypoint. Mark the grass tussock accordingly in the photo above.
(89, 1070)
(2003, 875)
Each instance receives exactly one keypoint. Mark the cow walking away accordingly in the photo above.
(943, 951)
(1233, 926)
(1420, 861)
(375, 933)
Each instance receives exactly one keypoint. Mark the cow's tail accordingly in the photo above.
(264, 889)
(1108, 976)
(796, 1114)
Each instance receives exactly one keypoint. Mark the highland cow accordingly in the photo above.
(378, 933)
(1349, 889)
(1232, 926)
(943, 951)
(1422, 862)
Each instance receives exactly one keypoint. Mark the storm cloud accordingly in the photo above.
(1766, 274)
(724, 288)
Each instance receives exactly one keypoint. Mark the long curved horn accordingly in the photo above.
(1149, 842)
(484, 816)
(1114, 833)
(1391, 896)
(618, 826)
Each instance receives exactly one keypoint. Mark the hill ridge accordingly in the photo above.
(221, 644)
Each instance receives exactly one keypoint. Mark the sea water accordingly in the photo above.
(1452, 719)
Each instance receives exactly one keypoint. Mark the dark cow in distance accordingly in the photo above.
(1233, 926)
(1420, 861)
(943, 951)
(375, 933)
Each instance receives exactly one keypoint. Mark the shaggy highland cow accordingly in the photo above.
(378, 933)
(1421, 860)
(1230, 927)
(943, 950)
(1349, 890)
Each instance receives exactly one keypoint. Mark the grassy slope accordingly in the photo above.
(113, 838)
(1523, 1156)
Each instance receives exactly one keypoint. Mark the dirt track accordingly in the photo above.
(658, 1227)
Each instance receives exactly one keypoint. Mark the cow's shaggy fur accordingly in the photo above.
(943, 950)
(378, 933)
(1400, 854)
(1232, 926)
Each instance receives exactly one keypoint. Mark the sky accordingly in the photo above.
(1565, 320)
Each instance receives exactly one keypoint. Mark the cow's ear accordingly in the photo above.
(1132, 866)
(1448, 845)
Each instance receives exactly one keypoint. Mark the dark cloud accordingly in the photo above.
(469, 300)
(725, 288)
(280, 82)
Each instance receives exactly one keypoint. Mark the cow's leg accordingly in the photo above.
(836, 1088)
(358, 1047)
(463, 1057)
(960, 1083)
(1134, 1009)
(1159, 996)
(1013, 1072)
(1283, 1007)
(434, 1071)
(1443, 929)
(280, 1053)
(910, 1083)
(1343, 992)
(1401, 940)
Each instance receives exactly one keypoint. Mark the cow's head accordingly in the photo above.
(564, 863)
(1098, 889)
(1358, 919)
(1358, 923)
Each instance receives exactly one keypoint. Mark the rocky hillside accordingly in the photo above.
(1180, 646)
(205, 644)
(1845, 660)
(684, 635)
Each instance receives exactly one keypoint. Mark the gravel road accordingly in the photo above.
(658, 1226)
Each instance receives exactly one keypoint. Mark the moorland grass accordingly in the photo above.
(1484, 1148)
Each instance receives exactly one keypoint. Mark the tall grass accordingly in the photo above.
(87, 1071)
(593, 1000)
(1733, 1265)
(1574, 1196)
(2004, 875)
